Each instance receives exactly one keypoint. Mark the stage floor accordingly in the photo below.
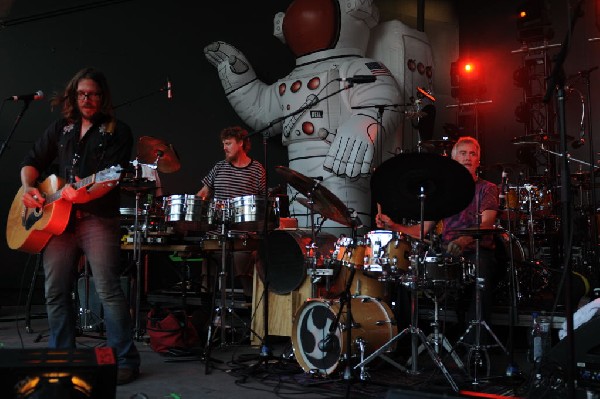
(233, 373)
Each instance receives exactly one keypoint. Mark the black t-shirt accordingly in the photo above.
(95, 152)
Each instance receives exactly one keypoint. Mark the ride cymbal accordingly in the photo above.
(151, 150)
(447, 186)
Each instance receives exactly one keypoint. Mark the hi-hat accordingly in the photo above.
(151, 150)
(447, 186)
(478, 232)
(324, 201)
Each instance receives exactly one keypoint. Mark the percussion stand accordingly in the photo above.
(413, 328)
(137, 255)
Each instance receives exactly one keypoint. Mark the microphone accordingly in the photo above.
(425, 93)
(169, 89)
(358, 79)
(38, 95)
(503, 189)
(578, 143)
(328, 344)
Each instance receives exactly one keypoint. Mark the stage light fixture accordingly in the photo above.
(533, 21)
(466, 79)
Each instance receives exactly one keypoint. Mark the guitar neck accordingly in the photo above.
(81, 183)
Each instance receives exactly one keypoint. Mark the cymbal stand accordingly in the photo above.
(330, 341)
(413, 329)
(513, 290)
(530, 225)
(476, 351)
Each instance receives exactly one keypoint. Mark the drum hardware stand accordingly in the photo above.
(513, 291)
(439, 340)
(137, 257)
(413, 328)
(87, 319)
(477, 350)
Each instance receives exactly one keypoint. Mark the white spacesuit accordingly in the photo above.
(340, 137)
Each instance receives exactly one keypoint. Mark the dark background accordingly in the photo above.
(138, 44)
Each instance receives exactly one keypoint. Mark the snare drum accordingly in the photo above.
(373, 323)
(248, 213)
(386, 250)
(439, 269)
(187, 212)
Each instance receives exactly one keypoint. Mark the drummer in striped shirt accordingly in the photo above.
(236, 176)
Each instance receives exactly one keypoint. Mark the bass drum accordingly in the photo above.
(374, 324)
(287, 257)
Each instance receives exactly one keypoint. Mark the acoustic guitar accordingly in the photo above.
(30, 229)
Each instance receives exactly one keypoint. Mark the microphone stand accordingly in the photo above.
(14, 127)
(512, 368)
(591, 162)
(165, 88)
(557, 82)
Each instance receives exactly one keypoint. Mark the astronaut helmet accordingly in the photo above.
(310, 26)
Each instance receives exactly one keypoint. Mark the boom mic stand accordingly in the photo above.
(265, 350)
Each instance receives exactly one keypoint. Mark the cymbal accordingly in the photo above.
(396, 184)
(539, 138)
(316, 208)
(474, 231)
(149, 149)
(325, 202)
(507, 166)
(135, 185)
(438, 144)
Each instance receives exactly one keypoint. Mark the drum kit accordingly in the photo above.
(346, 320)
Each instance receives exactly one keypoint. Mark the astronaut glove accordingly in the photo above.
(234, 69)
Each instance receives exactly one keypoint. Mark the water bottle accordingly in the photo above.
(539, 338)
(546, 333)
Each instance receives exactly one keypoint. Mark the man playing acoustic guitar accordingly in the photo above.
(86, 140)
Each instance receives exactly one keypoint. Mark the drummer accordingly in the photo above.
(467, 152)
(235, 176)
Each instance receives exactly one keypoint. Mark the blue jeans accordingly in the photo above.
(98, 239)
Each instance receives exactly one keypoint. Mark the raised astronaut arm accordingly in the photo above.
(252, 99)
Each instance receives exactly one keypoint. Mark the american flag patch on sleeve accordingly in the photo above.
(377, 68)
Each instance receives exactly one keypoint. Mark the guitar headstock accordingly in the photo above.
(110, 174)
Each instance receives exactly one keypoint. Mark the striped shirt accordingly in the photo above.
(228, 181)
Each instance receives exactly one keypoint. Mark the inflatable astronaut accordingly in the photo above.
(340, 137)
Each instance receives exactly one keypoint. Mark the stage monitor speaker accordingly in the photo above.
(52, 373)
(587, 345)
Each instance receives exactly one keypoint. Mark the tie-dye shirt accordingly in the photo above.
(485, 198)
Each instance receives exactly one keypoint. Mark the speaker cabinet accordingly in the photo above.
(51, 373)
(587, 345)
(282, 309)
